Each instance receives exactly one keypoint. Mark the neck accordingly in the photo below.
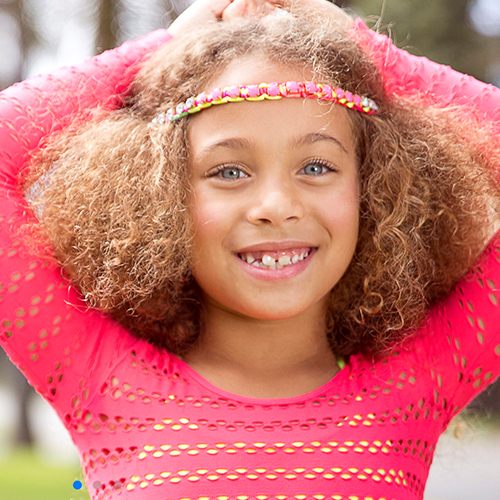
(264, 358)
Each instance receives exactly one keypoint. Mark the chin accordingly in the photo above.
(269, 313)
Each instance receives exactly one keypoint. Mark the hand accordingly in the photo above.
(248, 8)
(203, 11)
(319, 6)
(198, 13)
(251, 8)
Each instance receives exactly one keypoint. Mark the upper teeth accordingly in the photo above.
(284, 260)
(269, 262)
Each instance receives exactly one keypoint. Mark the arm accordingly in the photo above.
(462, 343)
(462, 340)
(409, 76)
(63, 349)
(45, 327)
(44, 104)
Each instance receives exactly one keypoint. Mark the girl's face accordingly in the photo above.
(271, 181)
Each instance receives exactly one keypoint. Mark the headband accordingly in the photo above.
(272, 91)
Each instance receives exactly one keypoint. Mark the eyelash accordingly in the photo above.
(220, 168)
(315, 161)
(321, 163)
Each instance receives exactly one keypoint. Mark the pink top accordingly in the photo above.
(148, 427)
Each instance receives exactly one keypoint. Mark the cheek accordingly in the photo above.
(343, 208)
(341, 219)
(208, 260)
(210, 220)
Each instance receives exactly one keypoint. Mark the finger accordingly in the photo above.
(235, 10)
(323, 7)
(199, 13)
(217, 7)
(247, 8)
(261, 8)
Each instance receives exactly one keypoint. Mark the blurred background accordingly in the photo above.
(37, 459)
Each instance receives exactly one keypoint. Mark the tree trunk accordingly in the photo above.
(106, 37)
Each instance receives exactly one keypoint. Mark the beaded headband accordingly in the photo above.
(272, 91)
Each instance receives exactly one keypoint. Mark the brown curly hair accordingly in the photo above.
(111, 196)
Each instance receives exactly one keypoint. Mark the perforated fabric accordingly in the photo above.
(148, 427)
(408, 76)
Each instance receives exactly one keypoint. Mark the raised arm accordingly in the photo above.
(410, 76)
(63, 348)
(462, 343)
(45, 327)
(36, 107)
(462, 340)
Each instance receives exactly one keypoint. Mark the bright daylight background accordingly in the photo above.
(37, 459)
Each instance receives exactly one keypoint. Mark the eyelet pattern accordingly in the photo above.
(146, 427)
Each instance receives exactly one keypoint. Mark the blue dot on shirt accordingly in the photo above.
(77, 485)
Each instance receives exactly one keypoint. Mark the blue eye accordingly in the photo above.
(317, 167)
(314, 169)
(231, 173)
(228, 173)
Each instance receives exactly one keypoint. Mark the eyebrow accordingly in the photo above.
(238, 143)
(232, 143)
(306, 139)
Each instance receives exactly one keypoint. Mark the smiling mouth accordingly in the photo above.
(275, 260)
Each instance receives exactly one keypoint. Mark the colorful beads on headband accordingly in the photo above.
(272, 91)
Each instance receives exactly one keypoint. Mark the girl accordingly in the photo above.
(260, 295)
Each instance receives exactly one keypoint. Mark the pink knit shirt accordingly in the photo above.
(148, 427)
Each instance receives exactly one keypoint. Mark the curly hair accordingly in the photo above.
(111, 196)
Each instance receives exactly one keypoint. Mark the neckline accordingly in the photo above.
(301, 398)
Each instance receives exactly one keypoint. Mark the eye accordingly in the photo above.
(227, 172)
(318, 167)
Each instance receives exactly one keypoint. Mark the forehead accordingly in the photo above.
(269, 122)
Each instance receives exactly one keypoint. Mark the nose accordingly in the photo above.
(275, 203)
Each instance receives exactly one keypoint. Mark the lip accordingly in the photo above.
(274, 246)
(277, 274)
